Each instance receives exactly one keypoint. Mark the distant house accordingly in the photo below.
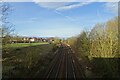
(44, 40)
(25, 39)
(32, 40)
(13, 41)
(50, 40)
(39, 39)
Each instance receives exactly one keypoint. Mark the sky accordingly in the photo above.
(59, 19)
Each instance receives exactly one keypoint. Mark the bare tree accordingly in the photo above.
(6, 27)
(104, 39)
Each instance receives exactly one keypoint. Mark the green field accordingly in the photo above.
(19, 45)
(24, 60)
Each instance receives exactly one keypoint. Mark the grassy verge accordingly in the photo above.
(98, 67)
(105, 67)
(26, 62)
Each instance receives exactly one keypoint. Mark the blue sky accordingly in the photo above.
(58, 19)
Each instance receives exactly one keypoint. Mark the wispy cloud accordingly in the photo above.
(76, 0)
(68, 17)
(59, 0)
(66, 5)
(61, 5)
(73, 6)
(112, 6)
(51, 5)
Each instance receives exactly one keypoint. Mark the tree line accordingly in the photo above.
(99, 48)
(101, 41)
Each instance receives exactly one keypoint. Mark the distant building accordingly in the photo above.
(32, 40)
(50, 40)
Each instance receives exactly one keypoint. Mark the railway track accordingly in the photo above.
(64, 66)
(54, 67)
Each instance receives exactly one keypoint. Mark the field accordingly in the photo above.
(24, 60)
(20, 45)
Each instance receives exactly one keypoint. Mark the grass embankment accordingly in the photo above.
(24, 61)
